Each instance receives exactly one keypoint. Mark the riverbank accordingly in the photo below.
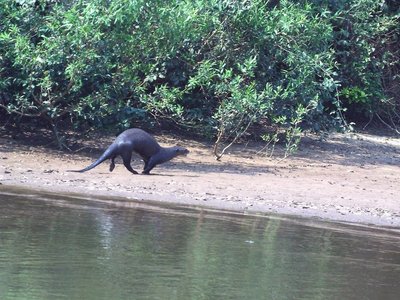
(349, 178)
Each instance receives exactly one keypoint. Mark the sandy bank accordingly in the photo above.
(352, 178)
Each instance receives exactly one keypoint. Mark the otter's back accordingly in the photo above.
(139, 141)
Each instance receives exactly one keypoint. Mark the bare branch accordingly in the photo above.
(20, 112)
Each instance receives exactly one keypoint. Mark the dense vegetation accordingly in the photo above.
(225, 69)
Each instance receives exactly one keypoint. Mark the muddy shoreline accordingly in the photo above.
(348, 178)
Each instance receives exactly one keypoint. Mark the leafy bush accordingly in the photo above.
(225, 69)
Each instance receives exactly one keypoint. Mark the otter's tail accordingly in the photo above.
(106, 155)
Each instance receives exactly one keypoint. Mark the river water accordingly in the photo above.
(63, 247)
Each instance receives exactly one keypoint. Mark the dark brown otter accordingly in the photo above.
(139, 141)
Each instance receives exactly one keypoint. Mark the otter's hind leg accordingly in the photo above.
(112, 164)
(126, 158)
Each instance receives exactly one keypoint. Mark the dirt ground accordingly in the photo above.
(348, 177)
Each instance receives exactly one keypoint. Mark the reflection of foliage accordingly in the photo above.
(181, 254)
(220, 68)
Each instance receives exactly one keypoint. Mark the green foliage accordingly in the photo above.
(218, 67)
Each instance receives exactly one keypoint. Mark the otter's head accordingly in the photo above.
(180, 151)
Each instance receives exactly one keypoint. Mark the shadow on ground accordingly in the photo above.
(346, 150)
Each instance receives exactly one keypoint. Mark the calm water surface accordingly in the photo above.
(57, 247)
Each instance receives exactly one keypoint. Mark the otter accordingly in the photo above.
(139, 141)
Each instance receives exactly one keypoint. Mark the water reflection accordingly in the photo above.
(60, 248)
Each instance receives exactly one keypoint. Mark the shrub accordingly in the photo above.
(219, 68)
